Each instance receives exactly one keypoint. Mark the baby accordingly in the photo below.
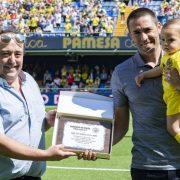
(170, 37)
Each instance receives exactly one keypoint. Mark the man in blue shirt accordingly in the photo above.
(23, 120)
(155, 154)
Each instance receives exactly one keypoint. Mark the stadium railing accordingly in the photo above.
(100, 91)
(63, 33)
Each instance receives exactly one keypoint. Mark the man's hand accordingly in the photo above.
(50, 118)
(172, 76)
(87, 155)
(57, 152)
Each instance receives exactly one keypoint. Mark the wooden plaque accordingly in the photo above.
(84, 121)
(79, 134)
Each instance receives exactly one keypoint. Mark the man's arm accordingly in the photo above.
(13, 149)
(121, 124)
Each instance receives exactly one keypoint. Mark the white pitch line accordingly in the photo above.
(88, 169)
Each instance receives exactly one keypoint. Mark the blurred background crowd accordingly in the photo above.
(76, 18)
(70, 76)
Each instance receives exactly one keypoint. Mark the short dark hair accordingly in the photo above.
(140, 12)
(175, 21)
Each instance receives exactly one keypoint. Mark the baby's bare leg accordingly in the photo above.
(173, 126)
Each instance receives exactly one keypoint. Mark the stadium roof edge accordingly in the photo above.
(80, 52)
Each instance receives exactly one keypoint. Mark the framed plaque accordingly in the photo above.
(80, 131)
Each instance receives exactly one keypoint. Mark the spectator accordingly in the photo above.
(164, 7)
(77, 77)
(63, 82)
(57, 81)
(47, 77)
(122, 8)
(103, 77)
(64, 71)
(74, 87)
(96, 82)
(84, 76)
(70, 79)
(68, 28)
(89, 82)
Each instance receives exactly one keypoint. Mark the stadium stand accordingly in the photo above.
(121, 27)
(69, 76)
(164, 10)
(57, 16)
(78, 18)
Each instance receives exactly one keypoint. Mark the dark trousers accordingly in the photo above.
(140, 174)
(27, 178)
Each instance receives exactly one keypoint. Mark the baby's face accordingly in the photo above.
(170, 39)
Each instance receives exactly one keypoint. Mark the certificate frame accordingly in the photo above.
(91, 111)
(60, 134)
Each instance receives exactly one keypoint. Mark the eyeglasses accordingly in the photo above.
(7, 37)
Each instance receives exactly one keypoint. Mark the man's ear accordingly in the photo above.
(159, 27)
(129, 36)
(24, 50)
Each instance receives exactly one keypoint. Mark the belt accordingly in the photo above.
(27, 178)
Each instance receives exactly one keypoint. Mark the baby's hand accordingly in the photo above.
(138, 79)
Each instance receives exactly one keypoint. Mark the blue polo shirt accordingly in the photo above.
(153, 147)
(22, 119)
